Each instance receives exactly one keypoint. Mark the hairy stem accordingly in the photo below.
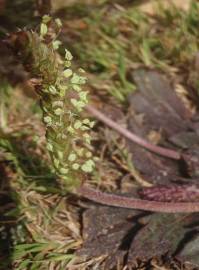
(130, 203)
(131, 136)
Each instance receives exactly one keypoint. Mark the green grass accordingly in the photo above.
(114, 41)
(39, 256)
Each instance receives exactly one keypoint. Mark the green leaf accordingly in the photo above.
(24, 264)
(78, 104)
(67, 73)
(70, 130)
(68, 55)
(76, 79)
(52, 89)
(46, 19)
(58, 103)
(88, 154)
(87, 138)
(60, 257)
(58, 22)
(64, 170)
(72, 157)
(58, 111)
(88, 166)
(86, 121)
(43, 29)
(75, 166)
(48, 120)
(67, 64)
(76, 87)
(49, 146)
(83, 95)
(77, 124)
(56, 44)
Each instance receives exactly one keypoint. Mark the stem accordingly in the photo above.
(43, 7)
(125, 202)
(132, 137)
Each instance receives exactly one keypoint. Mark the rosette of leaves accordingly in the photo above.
(62, 101)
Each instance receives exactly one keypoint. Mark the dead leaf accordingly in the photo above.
(161, 110)
(161, 234)
(105, 231)
(190, 252)
(121, 235)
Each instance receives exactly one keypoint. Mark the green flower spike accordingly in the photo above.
(62, 101)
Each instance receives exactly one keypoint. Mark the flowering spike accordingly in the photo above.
(62, 100)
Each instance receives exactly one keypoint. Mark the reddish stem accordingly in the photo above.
(129, 135)
(125, 202)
